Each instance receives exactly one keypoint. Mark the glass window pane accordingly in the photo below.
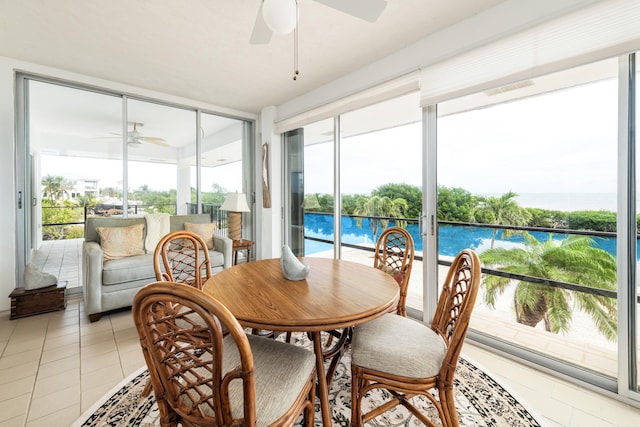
(161, 148)
(381, 180)
(318, 189)
(223, 163)
(538, 154)
(77, 164)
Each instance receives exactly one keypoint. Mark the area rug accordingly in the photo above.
(480, 400)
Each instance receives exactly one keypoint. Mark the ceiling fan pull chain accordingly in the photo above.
(296, 72)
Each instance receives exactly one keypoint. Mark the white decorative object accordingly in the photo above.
(36, 279)
(292, 268)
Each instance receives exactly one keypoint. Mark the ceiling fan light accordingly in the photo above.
(280, 15)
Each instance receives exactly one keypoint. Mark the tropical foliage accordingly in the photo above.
(455, 204)
(592, 220)
(574, 260)
(376, 207)
(55, 187)
(61, 212)
(411, 194)
(503, 210)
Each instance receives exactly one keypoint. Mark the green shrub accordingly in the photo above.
(592, 220)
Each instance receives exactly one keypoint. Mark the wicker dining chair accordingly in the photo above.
(394, 255)
(175, 259)
(183, 257)
(202, 377)
(408, 358)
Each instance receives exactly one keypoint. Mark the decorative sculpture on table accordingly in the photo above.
(35, 279)
(292, 268)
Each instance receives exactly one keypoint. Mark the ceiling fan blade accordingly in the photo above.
(369, 10)
(261, 34)
(158, 141)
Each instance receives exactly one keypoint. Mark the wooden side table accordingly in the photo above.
(242, 245)
(36, 301)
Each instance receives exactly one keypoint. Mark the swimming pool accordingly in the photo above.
(451, 238)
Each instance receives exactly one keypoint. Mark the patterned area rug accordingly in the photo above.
(480, 400)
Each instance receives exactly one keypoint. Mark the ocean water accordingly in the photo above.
(567, 201)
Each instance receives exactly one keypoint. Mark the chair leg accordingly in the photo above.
(356, 412)
(309, 413)
(448, 404)
(147, 389)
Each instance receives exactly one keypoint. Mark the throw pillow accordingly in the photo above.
(393, 272)
(205, 231)
(120, 242)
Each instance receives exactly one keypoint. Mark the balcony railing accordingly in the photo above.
(77, 216)
(441, 261)
(581, 346)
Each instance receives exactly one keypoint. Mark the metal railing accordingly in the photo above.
(537, 280)
(106, 210)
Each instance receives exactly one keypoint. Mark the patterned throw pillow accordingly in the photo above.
(205, 231)
(120, 242)
(395, 273)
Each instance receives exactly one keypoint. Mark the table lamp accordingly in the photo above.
(235, 203)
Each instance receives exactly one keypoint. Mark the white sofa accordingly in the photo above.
(112, 284)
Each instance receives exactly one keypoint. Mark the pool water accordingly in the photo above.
(451, 238)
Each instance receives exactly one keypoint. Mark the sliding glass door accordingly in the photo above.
(381, 180)
(533, 169)
(159, 157)
(539, 177)
(93, 152)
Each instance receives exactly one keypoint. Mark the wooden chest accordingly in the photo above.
(36, 301)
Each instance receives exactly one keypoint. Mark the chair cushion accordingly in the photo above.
(399, 346)
(128, 269)
(120, 242)
(217, 258)
(205, 231)
(281, 371)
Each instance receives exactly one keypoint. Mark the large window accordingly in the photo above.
(380, 173)
(536, 177)
(381, 179)
(159, 157)
(101, 153)
(318, 188)
(541, 154)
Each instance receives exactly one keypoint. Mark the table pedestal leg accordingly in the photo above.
(323, 388)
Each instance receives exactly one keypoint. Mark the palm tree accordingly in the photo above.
(54, 187)
(377, 206)
(574, 260)
(501, 210)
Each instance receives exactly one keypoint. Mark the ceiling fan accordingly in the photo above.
(137, 138)
(281, 16)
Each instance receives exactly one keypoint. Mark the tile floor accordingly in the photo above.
(54, 366)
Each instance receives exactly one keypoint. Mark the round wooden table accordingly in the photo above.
(336, 294)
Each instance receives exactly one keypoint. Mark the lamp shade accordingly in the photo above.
(280, 15)
(235, 202)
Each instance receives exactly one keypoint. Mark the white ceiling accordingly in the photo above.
(199, 49)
